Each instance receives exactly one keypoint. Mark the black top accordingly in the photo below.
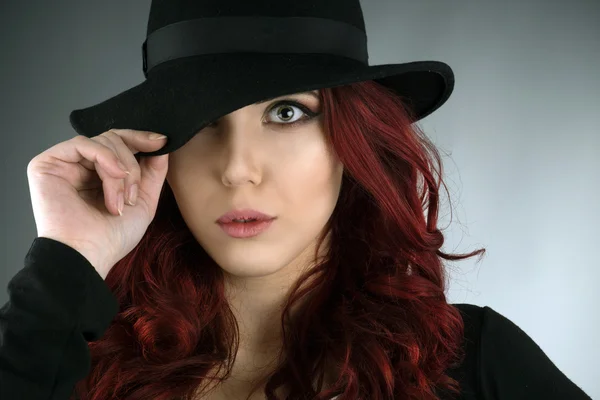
(58, 302)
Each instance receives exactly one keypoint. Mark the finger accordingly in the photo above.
(124, 152)
(111, 187)
(138, 141)
(154, 171)
(135, 140)
(66, 160)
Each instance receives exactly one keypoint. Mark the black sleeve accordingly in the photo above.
(513, 367)
(57, 303)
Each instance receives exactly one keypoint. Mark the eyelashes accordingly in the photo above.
(307, 113)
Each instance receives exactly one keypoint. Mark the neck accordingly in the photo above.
(257, 303)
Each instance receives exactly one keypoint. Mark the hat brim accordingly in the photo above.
(181, 97)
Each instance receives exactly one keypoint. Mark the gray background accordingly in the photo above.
(520, 136)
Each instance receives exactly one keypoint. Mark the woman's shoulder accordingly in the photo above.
(503, 361)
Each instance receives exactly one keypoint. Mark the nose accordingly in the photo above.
(241, 155)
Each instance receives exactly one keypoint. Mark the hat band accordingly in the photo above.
(256, 35)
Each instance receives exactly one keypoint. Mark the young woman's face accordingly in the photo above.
(255, 158)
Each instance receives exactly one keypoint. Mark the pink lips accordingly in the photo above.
(243, 214)
(261, 222)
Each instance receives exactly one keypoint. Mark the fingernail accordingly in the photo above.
(120, 203)
(123, 167)
(156, 136)
(132, 194)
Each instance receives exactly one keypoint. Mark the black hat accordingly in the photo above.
(203, 59)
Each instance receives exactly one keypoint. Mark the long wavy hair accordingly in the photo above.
(375, 306)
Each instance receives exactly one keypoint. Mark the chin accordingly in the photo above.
(249, 267)
(245, 259)
(251, 257)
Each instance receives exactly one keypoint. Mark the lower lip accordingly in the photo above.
(245, 229)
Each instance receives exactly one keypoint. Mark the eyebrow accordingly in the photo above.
(314, 94)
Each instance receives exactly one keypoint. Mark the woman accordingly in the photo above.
(330, 283)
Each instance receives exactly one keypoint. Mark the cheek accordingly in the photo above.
(309, 180)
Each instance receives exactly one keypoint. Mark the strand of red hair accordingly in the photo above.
(374, 308)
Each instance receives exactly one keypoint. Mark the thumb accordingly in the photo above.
(157, 165)
(153, 173)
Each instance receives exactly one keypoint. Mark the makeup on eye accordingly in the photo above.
(306, 113)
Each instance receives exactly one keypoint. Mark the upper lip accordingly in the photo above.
(245, 213)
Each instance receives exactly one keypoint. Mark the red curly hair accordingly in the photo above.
(376, 306)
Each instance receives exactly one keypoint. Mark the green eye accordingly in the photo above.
(289, 110)
(286, 108)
